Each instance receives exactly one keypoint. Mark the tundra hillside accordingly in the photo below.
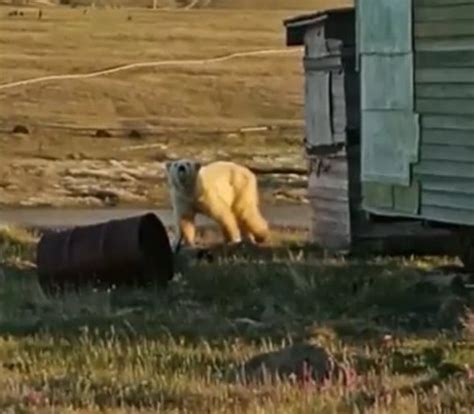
(146, 115)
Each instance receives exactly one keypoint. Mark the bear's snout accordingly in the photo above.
(181, 169)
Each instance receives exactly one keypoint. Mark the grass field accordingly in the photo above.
(178, 350)
(179, 110)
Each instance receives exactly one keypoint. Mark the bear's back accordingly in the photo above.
(223, 177)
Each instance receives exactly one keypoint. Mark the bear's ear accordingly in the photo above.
(197, 166)
(168, 165)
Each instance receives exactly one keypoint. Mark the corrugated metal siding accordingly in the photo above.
(444, 90)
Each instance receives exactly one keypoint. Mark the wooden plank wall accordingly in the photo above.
(331, 83)
(332, 120)
(444, 90)
(328, 192)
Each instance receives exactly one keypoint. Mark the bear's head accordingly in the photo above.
(182, 174)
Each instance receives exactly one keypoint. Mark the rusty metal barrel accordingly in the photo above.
(134, 251)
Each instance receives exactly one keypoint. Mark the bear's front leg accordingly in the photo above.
(187, 229)
(184, 220)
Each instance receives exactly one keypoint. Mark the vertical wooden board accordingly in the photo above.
(414, 139)
(352, 89)
(315, 42)
(329, 199)
(385, 26)
(390, 133)
(387, 82)
(390, 139)
(338, 103)
(358, 35)
(403, 200)
(317, 108)
(376, 195)
(407, 199)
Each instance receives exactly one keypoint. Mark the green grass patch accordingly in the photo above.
(143, 351)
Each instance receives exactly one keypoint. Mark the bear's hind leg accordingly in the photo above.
(253, 223)
(227, 221)
(246, 208)
(247, 234)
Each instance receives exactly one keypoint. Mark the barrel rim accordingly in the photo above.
(162, 241)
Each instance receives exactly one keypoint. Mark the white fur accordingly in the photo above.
(224, 191)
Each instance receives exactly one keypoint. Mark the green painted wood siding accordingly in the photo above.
(444, 98)
(390, 128)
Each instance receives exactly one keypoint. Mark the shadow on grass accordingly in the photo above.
(239, 298)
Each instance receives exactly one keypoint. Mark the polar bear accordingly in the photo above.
(224, 191)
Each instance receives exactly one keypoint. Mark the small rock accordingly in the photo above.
(20, 129)
(425, 287)
(297, 361)
(247, 322)
(448, 369)
(77, 156)
(458, 287)
(451, 311)
(134, 134)
(469, 372)
(102, 133)
(467, 322)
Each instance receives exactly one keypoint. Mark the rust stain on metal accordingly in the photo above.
(132, 251)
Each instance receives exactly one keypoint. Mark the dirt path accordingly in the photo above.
(284, 216)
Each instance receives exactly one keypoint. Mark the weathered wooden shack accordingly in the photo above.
(332, 120)
(389, 114)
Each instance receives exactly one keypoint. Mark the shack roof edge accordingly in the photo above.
(295, 26)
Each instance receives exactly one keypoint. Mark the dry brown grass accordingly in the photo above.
(177, 108)
(246, 91)
(209, 4)
(277, 4)
(174, 103)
